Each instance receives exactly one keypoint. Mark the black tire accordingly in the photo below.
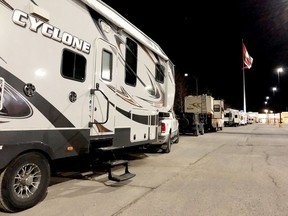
(167, 145)
(24, 182)
(196, 132)
(154, 148)
(184, 123)
(177, 137)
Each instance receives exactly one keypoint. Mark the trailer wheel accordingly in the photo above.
(24, 182)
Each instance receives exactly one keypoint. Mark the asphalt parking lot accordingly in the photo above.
(237, 171)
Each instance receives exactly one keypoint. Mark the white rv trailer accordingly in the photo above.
(231, 117)
(243, 118)
(218, 116)
(75, 77)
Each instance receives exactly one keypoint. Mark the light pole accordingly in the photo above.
(196, 82)
(279, 70)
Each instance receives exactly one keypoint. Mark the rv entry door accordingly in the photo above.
(103, 97)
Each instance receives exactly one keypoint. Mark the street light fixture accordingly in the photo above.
(266, 102)
(274, 89)
(279, 70)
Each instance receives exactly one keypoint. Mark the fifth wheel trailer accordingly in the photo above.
(209, 109)
(73, 83)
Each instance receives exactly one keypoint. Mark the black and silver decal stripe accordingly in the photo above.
(142, 119)
(44, 106)
(6, 4)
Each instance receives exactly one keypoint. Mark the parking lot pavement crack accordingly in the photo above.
(267, 156)
(245, 143)
(205, 155)
(134, 201)
(273, 180)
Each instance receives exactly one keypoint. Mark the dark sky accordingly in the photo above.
(204, 39)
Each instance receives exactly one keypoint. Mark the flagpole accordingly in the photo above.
(247, 60)
(243, 71)
(244, 93)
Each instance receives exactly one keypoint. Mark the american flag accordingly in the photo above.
(247, 59)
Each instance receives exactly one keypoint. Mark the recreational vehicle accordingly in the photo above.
(243, 118)
(73, 83)
(231, 117)
(204, 106)
(218, 116)
(252, 117)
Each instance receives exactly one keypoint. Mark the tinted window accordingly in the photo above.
(216, 108)
(159, 73)
(73, 66)
(131, 63)
(163, 114)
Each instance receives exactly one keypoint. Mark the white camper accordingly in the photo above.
(231, 117)
(75, 78)
(218, 109)
(252, 117)
(243, 118)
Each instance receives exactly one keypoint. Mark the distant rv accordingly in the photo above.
(76, 78)
(243, 118)
(231, 117)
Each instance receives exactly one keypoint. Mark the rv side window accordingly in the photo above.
(131, 63)
(106, 72)
(159, 73)
(73, 66)
(217, 108)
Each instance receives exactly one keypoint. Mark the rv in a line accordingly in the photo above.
(231, 117)
(72, 84)
(218, 116)
(209, 110)
(243, 118)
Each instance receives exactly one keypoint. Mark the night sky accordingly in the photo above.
(204, 39)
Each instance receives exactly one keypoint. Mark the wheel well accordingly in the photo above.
(45, 154)
(39, 151)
